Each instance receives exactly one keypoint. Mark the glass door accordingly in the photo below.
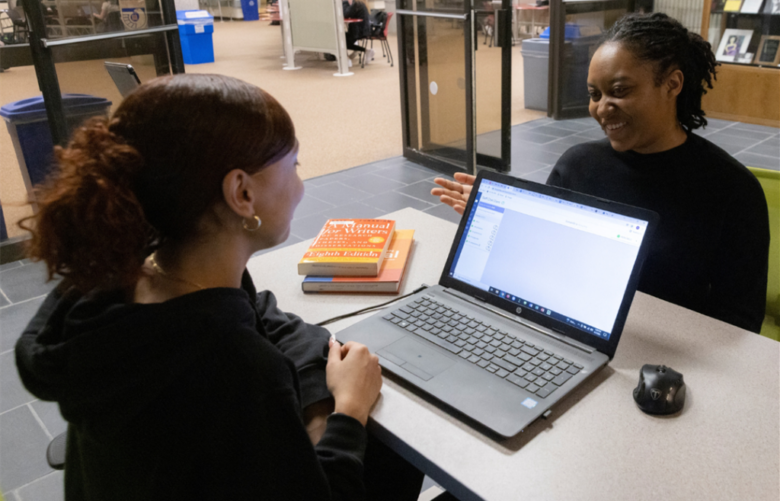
(455, 83)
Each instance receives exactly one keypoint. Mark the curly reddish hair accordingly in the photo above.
(121, 188)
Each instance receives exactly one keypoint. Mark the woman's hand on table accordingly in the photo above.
(454, 193)
(354, 379)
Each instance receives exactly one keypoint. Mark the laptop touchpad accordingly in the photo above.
(416, 358)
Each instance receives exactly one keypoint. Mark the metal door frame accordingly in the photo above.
(408, 114)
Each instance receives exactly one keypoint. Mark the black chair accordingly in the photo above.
(19, 20)
(379, 32)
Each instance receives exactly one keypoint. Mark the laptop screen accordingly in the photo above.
(565, 260)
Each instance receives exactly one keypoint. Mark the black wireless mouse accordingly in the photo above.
(661, 390)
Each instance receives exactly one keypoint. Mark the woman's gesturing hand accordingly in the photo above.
(454, 193)
(354, 379)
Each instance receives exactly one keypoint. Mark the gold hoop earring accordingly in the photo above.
(257, 227)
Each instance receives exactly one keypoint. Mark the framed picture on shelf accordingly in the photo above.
(768, 51)
(752, 6)
(733, 43)
(772, 7)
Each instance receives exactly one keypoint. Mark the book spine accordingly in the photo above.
(386, 287)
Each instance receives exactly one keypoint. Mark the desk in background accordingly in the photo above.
(596, 445)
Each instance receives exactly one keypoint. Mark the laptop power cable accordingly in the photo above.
(371, 308)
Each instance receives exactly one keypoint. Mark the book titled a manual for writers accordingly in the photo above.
(348, 247)
(388, 280)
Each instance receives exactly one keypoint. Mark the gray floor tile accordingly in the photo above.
(337, 193)
(3, 302)
(26, 282)
(715, 123)
(393, 201)
(308, 227)
(12, 393)
(592, 134)
(357, 210)
(11, 265)
(560, 146)
(421, 191)
(371, 183)
(531, 136)
(726, 137)
(757, 128)
(403, 174)
(539, 176)
(522, 165)
(445, 212)
(428, 483)
(49, 488)
(731, 149)
(747, 134)
(13, 319)
(49, 413)
(552, 130)
(24, 449)
(751, 160)
(292, 239)
(310, 205)
(538, 154)
(583, 120)
(320, 180)
(572, 140)
(765, 148)
(575, 125)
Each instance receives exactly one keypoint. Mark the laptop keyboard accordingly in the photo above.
(504, 355)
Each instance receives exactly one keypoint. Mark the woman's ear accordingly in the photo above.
(674, 83)
(238, 192)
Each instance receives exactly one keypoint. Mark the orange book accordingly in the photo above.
(348, 247)
(388, 280)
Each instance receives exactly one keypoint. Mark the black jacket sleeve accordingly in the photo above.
(262, 439)
(740, 267)
(305, 344)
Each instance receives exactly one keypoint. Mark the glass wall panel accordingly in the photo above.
(73, 18)
(488, 82)
(81, 69)
(436, 87)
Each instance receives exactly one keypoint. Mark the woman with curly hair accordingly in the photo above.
(177, 379)
(710, 252)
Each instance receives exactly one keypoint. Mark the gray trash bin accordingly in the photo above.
(28, 126)
(577, 51)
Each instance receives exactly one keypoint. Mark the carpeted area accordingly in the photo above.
(341, 122)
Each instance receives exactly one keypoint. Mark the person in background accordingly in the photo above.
(111, 17)
(177, 379)
(357, 9)
(710, 252)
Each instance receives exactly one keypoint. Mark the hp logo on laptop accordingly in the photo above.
(519, 310)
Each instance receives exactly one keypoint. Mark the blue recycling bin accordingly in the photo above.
(196, 28)
(250, 10)
(30, 134)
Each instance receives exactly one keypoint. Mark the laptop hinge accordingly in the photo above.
(558, 337)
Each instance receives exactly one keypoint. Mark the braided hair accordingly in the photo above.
(659, 39)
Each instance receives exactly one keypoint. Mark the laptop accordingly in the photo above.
(124, 76)
(531, 302)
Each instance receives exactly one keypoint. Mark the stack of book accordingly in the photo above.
(356, 255)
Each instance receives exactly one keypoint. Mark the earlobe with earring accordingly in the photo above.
(257, 224)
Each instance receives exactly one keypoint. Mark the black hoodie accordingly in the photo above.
(199, 397)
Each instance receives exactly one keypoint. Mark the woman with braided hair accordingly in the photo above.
(646, 81)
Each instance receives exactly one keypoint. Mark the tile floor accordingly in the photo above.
(28, 424)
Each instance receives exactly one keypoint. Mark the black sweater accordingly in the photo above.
(711, 249)
(199, 397)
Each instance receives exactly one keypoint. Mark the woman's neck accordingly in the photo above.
(178, 269)
(669, 140)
